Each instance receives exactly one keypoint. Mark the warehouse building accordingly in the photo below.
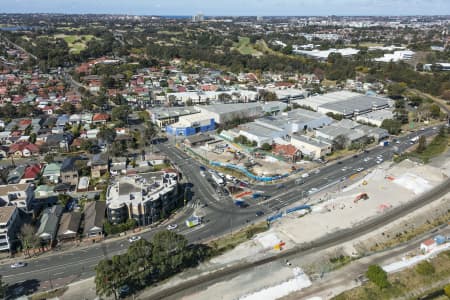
(315, 101)
(355, 106)
(376, 117)
(260, 134)
(352, 130)
(192, 124)
(295, 120)
(222, 113)
(345, 103)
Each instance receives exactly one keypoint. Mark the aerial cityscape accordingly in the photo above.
(270, 149)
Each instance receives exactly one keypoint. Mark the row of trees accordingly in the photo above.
(147, 262)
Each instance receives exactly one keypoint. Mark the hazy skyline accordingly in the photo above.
(232, 7)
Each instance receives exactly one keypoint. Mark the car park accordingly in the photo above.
(18, 264)
(172, 226)
(134, 238)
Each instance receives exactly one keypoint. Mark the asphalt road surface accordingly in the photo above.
(220, 215)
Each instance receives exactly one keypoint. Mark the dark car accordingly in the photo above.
(259, 213)
(124, 291)
(202, 168)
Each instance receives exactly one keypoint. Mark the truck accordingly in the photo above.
(384, 143)
(217, 179)
(193, 221)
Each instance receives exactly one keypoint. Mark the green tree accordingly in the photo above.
(68, 108)
(447, 290)
(435, 111)
(63, 199)
(28, 238)
(266, 147)
(425, 268)
(422, 144)
(170, 252)
(108, 278)
(107, 134)
(140, 258)
(120, 113)
(340, 142)
(396, 90)
(392, 126)
(378, 276)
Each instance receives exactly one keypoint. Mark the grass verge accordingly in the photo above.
(50, 294)
(407, 283)
(230, 241)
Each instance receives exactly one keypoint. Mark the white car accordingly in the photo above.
(305, 175)
(397, 142)
(18, 264)
(172, 226)
(202, 173)
(344, 169)
(134, 238)
(312, 191)
(359, 169)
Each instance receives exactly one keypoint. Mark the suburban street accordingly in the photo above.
(220, 215)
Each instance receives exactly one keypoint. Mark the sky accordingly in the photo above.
(231, 7)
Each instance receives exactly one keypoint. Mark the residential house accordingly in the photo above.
(19, 195)
(23, 149)
(99, 165)
(48, 224)
(52, 172)
(94, 216)
(428, 245)
(15, 174)
(59, 140)
(288, 152)
(118, 165)
(62, 121)
(100, 118)
(31, 173)
(68, 226)
(75, 119)
(10, 224)
(69, 171)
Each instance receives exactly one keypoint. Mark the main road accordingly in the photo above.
(220, 214)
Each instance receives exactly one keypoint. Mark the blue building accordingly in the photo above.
(191, 124)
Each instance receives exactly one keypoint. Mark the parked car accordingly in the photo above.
(19, 264)
(134, 238)
(172, 226)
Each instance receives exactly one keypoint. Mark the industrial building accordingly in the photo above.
(222, 113)
(396, 56)
(169, 115)
(311, 147)
(355, 106)
(352, 130)
(376, 117)
(323, 54)
(295, 120)
(345, 103)
(192, 124)
(146, 198)
(259, 133)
